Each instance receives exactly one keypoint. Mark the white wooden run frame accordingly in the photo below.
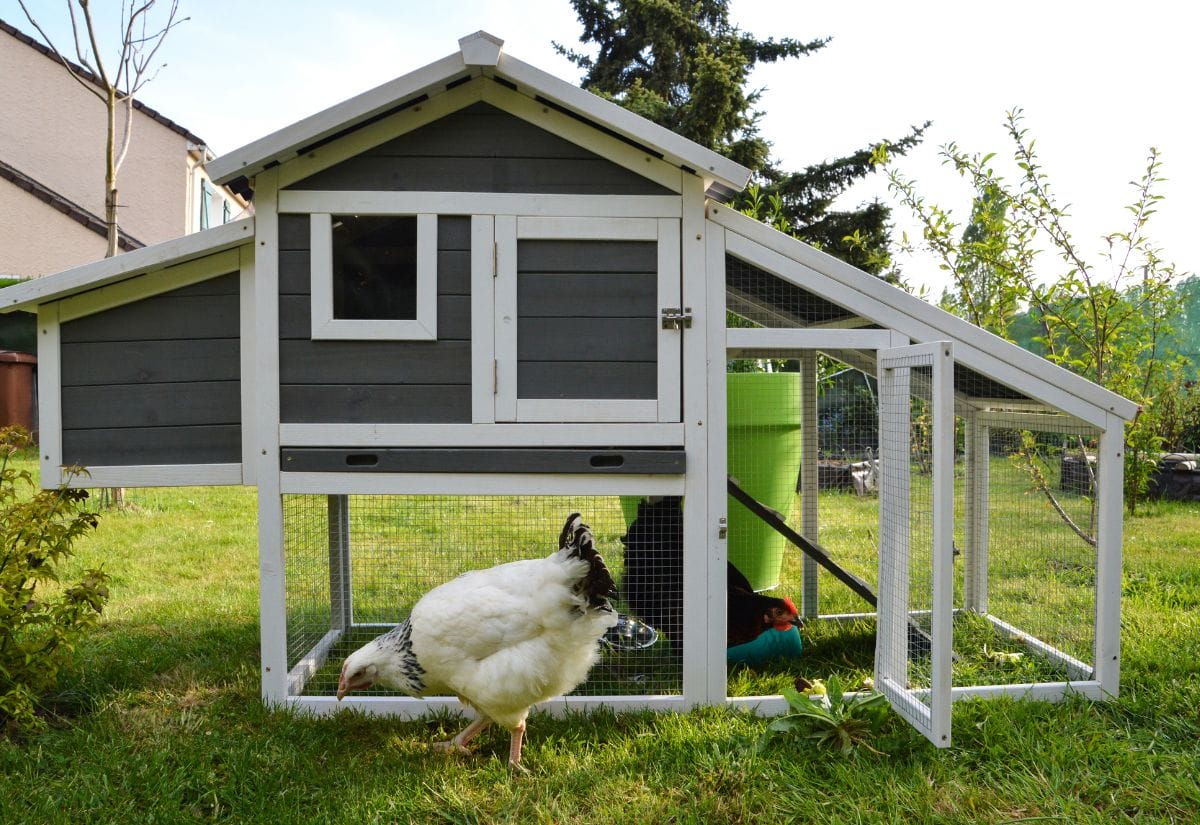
(703, 435)
(694, 237)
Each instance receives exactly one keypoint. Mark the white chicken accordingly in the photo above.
(500, 639)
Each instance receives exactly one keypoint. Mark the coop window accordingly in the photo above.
(374, 276)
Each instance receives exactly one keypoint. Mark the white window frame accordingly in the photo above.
(665, 407)
(327, 327)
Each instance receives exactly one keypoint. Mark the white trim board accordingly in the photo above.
(156, 475)
(325, 326)
(282, 145)
(144, 286)
(406, 707)
(138, 262)
(305, 201)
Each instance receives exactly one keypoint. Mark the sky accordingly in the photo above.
(1099, 83)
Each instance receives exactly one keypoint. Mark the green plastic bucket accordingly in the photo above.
(763, 411)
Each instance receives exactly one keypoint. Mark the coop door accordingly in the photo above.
(916, 508)
(579, 326)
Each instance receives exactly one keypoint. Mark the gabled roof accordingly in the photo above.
(479, 54)
(87, 75)
(65, 205)
(29, 294)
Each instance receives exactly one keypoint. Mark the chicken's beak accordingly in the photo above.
(343, 684)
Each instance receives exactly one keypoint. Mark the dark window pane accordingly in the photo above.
(375, 267)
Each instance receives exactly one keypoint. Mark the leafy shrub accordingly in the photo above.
(41, 616)
(825, 715)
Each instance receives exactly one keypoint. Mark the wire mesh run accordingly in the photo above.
(355, 566)
(1024, 520)
(1027, 529)
(762, 299)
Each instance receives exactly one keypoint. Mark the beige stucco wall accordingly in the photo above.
(36, 239)
(53, 130)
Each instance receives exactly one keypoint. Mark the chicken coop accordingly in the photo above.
(477, 299)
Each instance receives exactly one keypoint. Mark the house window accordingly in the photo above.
(374, 276)
(206, 194)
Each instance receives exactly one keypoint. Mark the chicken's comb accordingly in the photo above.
(791, 605)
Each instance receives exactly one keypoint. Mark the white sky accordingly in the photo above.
(1100, 82)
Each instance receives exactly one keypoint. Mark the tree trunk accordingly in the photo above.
(110, 174)
(110, 212)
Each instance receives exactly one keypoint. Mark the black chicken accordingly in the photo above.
(653, 582)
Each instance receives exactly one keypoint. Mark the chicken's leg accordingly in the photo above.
(514, 747)
(459, 743)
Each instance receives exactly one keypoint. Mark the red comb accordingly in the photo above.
(790, 605)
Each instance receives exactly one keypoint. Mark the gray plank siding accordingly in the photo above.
(217, 444)
(156, 381)
(482, 149)
(375, 403)
(151, 405)
(587, 319)
(376, 381)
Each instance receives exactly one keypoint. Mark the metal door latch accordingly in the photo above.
(676, 318)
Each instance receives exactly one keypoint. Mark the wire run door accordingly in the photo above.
(916, 520)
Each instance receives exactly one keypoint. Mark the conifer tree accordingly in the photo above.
(685, 66)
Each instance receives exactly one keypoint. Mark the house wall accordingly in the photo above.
(53, 131)
(156, 381)
(36, 239)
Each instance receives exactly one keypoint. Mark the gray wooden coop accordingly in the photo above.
(477, 298)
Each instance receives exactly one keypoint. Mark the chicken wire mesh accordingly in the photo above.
(759, 298)
(355, 565)
(907, 527)
(1026, 592)
(1024, 557)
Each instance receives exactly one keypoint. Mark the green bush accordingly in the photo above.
(41, 615)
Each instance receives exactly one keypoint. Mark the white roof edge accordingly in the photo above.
(281, 145)
(676, 148)
(137, 262)
(959, 329)
(476, 50)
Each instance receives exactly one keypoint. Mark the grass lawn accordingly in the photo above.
(158, 720)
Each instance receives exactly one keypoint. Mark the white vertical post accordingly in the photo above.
(49, 423)
(483, 319)
(698, 598)
(1110, 503)
(941, 620)
(272, 586)
(506, 317)
(716, 530)
(246, 350)
(975, 513)
(670, 345)
(891, 648)
(809, 482)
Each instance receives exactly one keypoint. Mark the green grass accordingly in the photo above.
(158, 719)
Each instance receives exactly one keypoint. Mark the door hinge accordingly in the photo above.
(676, 318)
(495, 377)
(495, 259)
